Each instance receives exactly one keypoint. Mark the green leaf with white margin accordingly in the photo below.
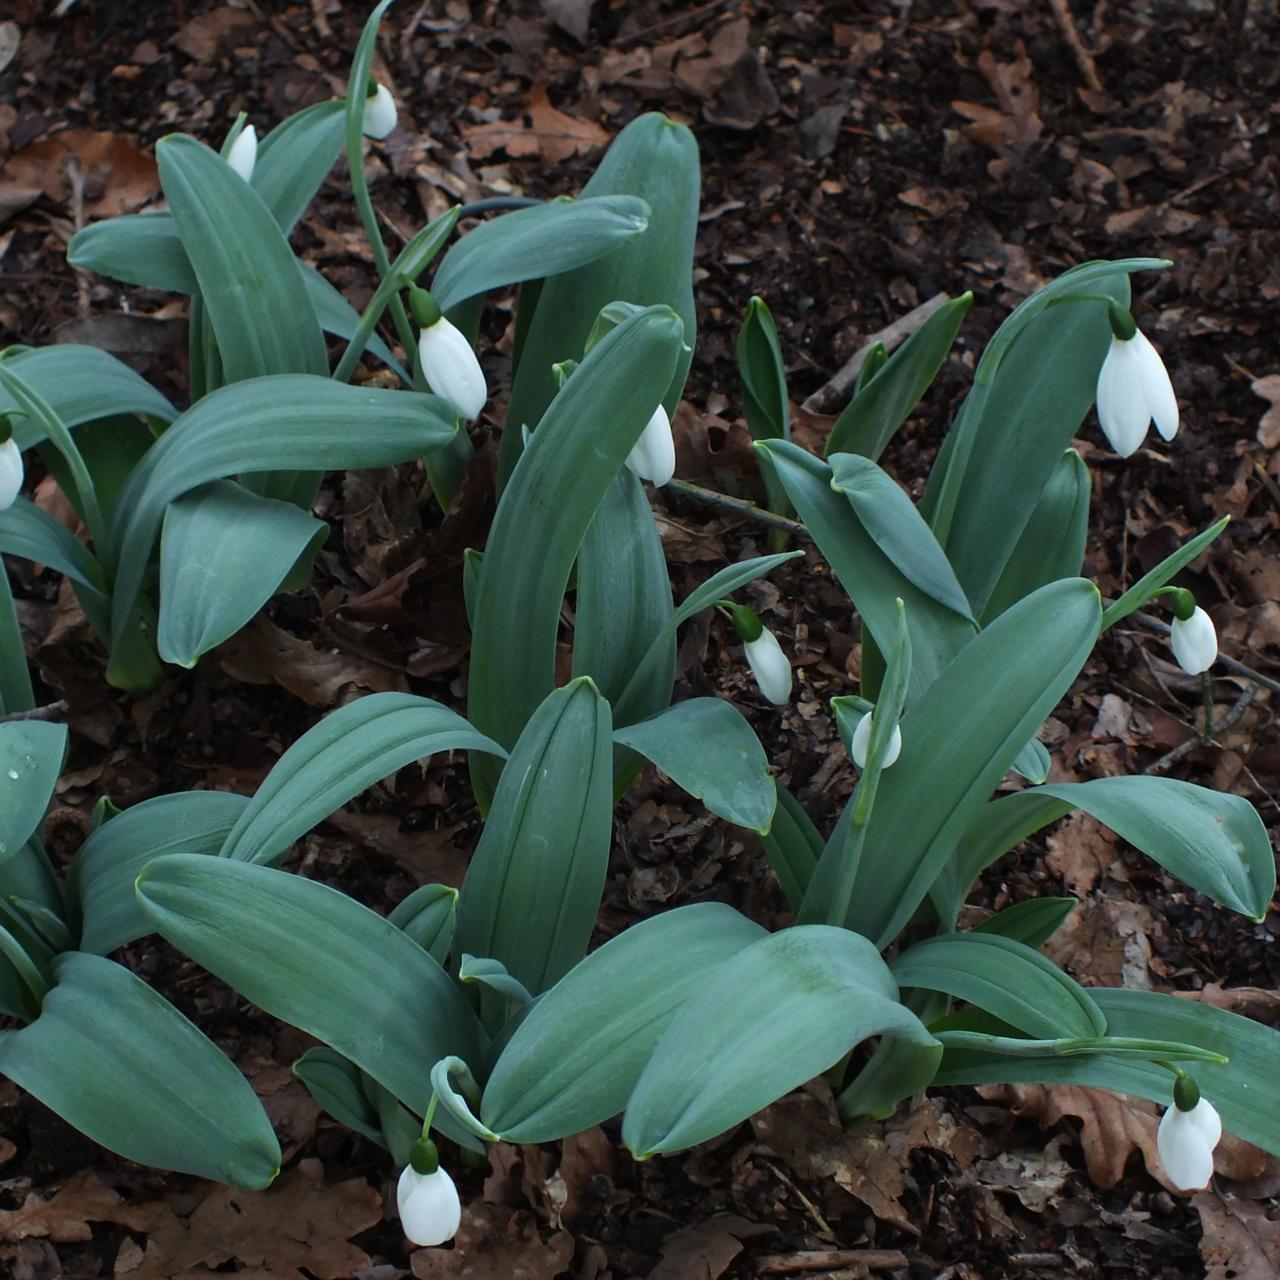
(107, 864)
(1007, 979)
(544, 513)
(1161, 575)
(1242, 1089)
(531, 244)
(959, 739)
(764, 1022)
(31, 756)
(348, 751)
(317, 959)
(883, 404)
(572, 1062)
(1211, 840)
(706, 746)
(122, 1065)
(533, 887)
(250, 282)
(263, 424)
(224, 552)
(874, 582)
(898, 529)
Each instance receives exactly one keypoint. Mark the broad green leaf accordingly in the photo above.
(224, 552)
(31, 756)
(793, 845)
(871, 578)
(123, 1066)
(655, 159)
(544, 514)
(533, 887)
(883, 403)
(958, 740)
(898, 529)
(1053, 542)
(764, 395)
(1007, 979)
(16, 692)
(706, 746)
(295, 158)
(263, 424)
(1033, 922)
(250, 282)
(768, 1019)
(574, 1059)
(335, 1083)
(317, 959)
(33, 534)
(1211, 840)
(348, 751)
(1160, 576)
(137, 248)
(337, 316)
(109, 861)
(1243, 1089)
(531, 244)
(429, 915)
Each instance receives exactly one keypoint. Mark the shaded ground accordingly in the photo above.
(857, 161)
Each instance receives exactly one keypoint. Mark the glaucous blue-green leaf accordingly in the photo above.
(573, 1060)
(534, 883)
(1161, 575)
(706, 746)
(16, 692)
(768, 1019)
(1033, 922)
(1032, 763)
(295, 158)
(763, 374)
(317, 959)
(107, 864)
(429, 916)
(335, 1083)
(1006, 978)
(338, 317)
(122, 1065)
(224, 552)
(885, 400)
(793, 846)
(348, 751)
(137, 248)
(31, 756)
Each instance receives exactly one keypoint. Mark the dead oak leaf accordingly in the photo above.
(496, 1243)
(117, 176)
(298, 1230)
(1240, 1242)
(65, 1218)
(705, 1250)
(1269, 427)
(545, 131)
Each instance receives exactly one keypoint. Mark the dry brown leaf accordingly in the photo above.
(1080, 849)
(704, 1251)
(560, 135)
(203, 36)
(1241, 1241)
(117, 176)
(496, 1243)
(298, 1230)
(66, 1217)
(1269, 427)
(1106, 942)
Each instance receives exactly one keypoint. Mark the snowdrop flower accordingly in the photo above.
(1194, 642)
(862, 740)
(1133, 388)
(1186, 1139)
(770, 666)
(654, 456)
(10, 472)
(430, 1210)
(244, 152)
(448, 362)
(379, 112)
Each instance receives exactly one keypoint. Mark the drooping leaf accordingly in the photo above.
(31, 756)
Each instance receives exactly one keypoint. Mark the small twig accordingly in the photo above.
(838, 385)
(825, 1259)
(1071, 33)
(50, 711)
(722, 501)
(1205, 738)
(702, 11)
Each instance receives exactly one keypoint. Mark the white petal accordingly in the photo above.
(1204, 1118)
(654, 456)
(11, 473)
(1186, 1156)
(770, 666)
(861, 743)
(451, 367)
(1162, 404)
(1194, 642)
(244, 152)
(1122, 404)
(379, 114)
(430, 1210)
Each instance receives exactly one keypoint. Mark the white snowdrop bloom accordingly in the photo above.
(1194, 642)
(430, 1210)
(449, 364)
(862, 741)
(1185, 1141)
(770, 666)
(653, 457)
(1134, 389)
(244, 152)
(11, 473)
(380, 113)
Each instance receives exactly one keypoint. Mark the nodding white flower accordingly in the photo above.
(379, 113)
(10, 473)
(1185, 1141)
(1133, 389)
(430, 1210)
(450, 366)
(1194, 642)
(770, 666)
(862, 740)
(244, 152)
(653, 457)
